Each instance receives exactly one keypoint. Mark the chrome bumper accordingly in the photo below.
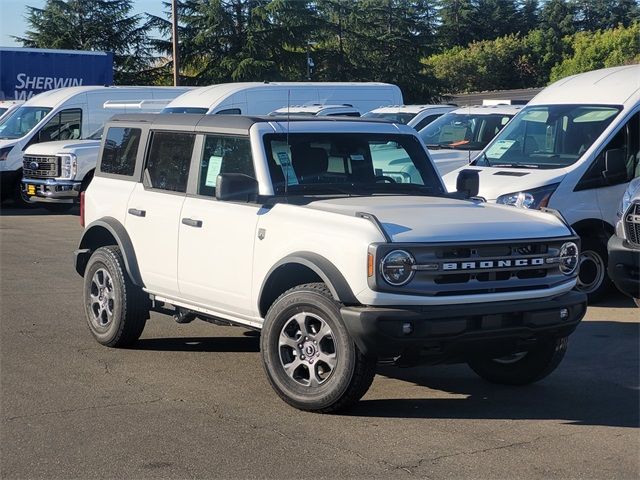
(52, 190)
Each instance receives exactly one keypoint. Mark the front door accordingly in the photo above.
(216, 238)
(153, 211)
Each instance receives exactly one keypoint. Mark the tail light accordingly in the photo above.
(82, 209)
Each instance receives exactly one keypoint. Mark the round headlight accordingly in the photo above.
(569, 258)
(396, 267)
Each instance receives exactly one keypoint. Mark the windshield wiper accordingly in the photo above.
(394, 188)
(318, 188)
(485, 159)
(434, 146)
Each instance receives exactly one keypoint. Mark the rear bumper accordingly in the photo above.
(450, 332)
(624, 266)
(52, 190)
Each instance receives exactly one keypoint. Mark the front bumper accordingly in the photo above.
(624, 266)
(454, 332)
(51, 190)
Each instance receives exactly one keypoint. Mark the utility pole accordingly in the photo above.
(176, 53)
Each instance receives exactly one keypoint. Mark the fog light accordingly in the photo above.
(407, 328)
(564, 313)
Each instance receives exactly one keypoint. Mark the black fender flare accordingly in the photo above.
(327, 271)
(119, 233)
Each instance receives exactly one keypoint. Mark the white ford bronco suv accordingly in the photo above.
(298, 229)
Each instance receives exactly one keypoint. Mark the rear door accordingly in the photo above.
(153, 211)
(217, 238)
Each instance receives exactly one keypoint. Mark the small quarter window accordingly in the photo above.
(120, 150)
(229, 111)
(223, 155)
(168, 161)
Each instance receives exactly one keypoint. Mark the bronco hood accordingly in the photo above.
(434, 219)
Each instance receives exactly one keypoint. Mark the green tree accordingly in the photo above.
(600, 49)
(602, 14)
(456, 23)
(102, 25)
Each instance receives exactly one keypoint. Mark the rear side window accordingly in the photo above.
(120, 150)
(168, 161)
(223, 155)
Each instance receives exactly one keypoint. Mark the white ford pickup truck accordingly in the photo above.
(298, 229)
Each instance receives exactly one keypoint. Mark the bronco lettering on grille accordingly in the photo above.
(482, 264)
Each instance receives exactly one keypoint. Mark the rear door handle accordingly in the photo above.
(137, 213)
(192, 223)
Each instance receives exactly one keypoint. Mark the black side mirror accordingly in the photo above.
(468, 183)
(236, 187)
(615, 166)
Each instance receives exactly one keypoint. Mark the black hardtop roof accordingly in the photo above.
(240, 122)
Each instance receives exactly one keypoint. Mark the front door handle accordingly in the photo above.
(137, 213)
(192, 223)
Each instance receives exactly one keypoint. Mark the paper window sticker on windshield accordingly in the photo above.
(357, 158)
(287, 168)
(499, 148)
(213, 170)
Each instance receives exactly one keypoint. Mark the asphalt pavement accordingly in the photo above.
(192, 401)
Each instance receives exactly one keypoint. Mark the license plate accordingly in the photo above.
(31, 189)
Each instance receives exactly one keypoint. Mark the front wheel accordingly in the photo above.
(522, 368)
(115, 308)
(310, 359)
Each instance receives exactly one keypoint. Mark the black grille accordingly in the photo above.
(632, 224)
(40, 167)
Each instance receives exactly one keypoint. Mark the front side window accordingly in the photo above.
(548, 136)
(349, 163)
(426, 121)
(65, 125)
(223, 155)
(21, 121)
(461, 131)
(168, 161)
(120, 151)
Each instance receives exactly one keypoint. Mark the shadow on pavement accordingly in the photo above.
(8, 209)
(597, 384)
(199, 344)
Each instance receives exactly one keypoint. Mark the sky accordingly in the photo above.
(12, 13)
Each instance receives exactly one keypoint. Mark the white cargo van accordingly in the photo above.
(7, 106)
(457, 137)
(253, 98)
(63, 114)
(573, 148)
(416, 116)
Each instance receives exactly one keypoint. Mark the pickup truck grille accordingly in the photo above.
(40, 167)
(632, 224)
(477, 268)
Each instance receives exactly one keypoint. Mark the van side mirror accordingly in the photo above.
(468, 183)
(236, 187)
(615, 166)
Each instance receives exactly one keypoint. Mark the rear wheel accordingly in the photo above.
(593, 278)
(116, 309)
(522, 368)
(309, 357)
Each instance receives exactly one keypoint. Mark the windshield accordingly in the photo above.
(551, 136)
(21, 121)
(461, 131)
(350, 164)
(198, 110)
(396, 117)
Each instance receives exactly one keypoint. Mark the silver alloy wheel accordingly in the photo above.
(513, 358)
(102, 297)
(591, 271)
(307, 349)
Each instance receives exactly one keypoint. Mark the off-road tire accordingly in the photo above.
(539, 362)
(130, 304)
(353, 372)
(597, 257)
